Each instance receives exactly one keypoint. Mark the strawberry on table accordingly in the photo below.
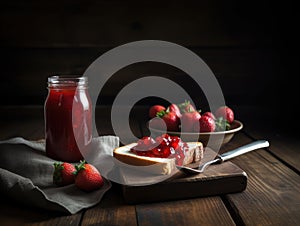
(63, 173)
(87, 178)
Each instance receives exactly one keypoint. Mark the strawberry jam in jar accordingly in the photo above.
(68, 118)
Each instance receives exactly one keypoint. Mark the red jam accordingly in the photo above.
(164, 146)
(68, 118)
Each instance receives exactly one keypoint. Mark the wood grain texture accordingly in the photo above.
(271, 197)
(204, 211)
(216, 180)
(111, 211)
(272, 194)
(282, 146)
(13, 213)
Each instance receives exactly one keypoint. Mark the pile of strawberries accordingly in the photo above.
(185, 117)
(85, 176)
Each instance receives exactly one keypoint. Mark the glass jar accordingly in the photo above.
(68, 118)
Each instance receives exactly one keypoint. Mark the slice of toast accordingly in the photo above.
(158, 165)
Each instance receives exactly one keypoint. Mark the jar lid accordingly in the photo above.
(67, 80)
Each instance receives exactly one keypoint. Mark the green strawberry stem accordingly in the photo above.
(183, 105)
(161, 113)
(58, 166)
(186, 102)
(79, 167)
(222, 124)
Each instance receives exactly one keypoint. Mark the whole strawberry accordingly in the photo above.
(63, 173)
(189, 121)
(87, 177)
(155, 109)
(226, 113)
(174, 108)
(186, 107)
(171, 120)
(209, 114)
(207, 124)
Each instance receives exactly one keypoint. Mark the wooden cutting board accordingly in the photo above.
(216, 180)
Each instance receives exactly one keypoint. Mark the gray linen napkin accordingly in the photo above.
(26, 175)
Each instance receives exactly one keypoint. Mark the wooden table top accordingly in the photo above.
(272, 196)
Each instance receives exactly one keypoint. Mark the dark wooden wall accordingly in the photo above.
(247, 45)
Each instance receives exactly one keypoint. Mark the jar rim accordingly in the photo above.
(67, 80)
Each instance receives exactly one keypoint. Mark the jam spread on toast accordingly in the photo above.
(164, 146)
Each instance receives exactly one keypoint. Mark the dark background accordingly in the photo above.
(248, 45)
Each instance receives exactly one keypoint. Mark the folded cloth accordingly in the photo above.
(26, 175)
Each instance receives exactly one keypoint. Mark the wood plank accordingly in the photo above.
(272, 194)
(284, 147)
(216, 180)
(201, 211)
(111, 210)
(14, 213)
(282, 135)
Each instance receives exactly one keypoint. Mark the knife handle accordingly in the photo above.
(244, 149)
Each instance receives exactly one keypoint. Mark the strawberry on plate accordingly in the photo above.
(88, 178)
(63, 173)
(226, 113)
